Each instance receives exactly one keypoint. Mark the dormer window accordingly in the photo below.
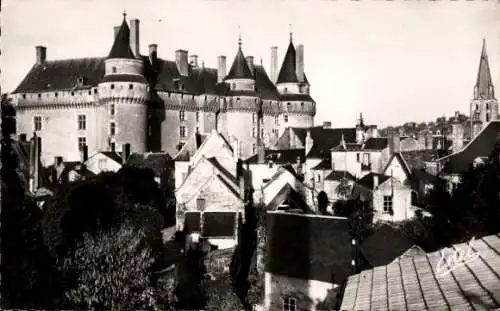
(81, 81)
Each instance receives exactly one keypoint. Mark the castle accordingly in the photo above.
(155, 104)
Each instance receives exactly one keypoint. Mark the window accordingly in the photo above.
(95, 91)
(112, 128)
(37, 123)
(181, 115)
(387, 203)
(366, 158)
(102, 164)
(262, 133)
(112, 109)
(253, 131)
(357, 157)
(285, 117)
(254, 149)
(487, 117)
(318, 178)
(112, 86)
(90, 92)
(200, 204)
(487, 106)
(288, 105)
(113, 70)
(82, 122)
(276, 120)
(39, 95)
(253, 118)
(72, 93)
(55, 94)
(24, 96)
(285, 90)
(113, 146)
(182, 131)
(301, 104)
(238, 100)
(197, 116)
(289, 304)
(130, 86)
(477, 107)
(82, 141)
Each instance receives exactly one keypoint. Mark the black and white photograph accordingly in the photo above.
(260, 155)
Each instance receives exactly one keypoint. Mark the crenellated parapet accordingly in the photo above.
(60, 99)
(124, 92)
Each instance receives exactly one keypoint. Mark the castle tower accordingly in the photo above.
(484, 106)
(298, 108)
(243, 106)
(123, 95)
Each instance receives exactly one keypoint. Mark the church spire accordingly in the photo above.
(484, 86)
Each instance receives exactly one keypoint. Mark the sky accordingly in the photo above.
(393, 61)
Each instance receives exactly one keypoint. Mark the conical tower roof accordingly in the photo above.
(121, 46)
(239, 69)
(484, 86)
(288, 68)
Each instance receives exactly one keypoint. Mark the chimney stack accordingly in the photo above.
(394, 142)
(221, 68)
(375, 182)
(299, 62)
(41, 54)
(134, 37)
(429, 139)
(250, 64)
(84, 153)
(274, 64)
(35, 152)
(193, 60)
(116, 29)
(261, 153)
(181, 59)
(153, 53)
(125, 153)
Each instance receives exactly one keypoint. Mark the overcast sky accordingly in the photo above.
(395, 61)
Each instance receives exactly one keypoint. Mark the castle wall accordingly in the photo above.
(123, 66)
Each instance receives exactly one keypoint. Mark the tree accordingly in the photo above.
(112, 271)
(360, 216)
(191, 288)
(221, 295)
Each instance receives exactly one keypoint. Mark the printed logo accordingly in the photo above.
(450, 260)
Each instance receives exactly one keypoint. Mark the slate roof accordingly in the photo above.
(159, 163)
(483, 82)
(281, 156)
(385, 245)
(192, 222)
(239, 68)
(309, 247)
(376, 143)
(288, 72)
(324, 139)
(414, 284)
(115, 156)
(121, 46)
(481, 146)
(348, 147)
(339, 175)
(287, 195)
(367, 180)
(324, 165)
(416, 159)
(219, 224)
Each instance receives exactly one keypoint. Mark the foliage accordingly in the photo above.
(344, 189)
(112, 271)
(191, 288)
(322, 202)
(221, 295)
(360, 216)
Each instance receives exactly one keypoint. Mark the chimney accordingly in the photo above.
(116, 29)
(274, 64)
(153, 53)
(181, 59)
(125, 153)
(112, 147)
(375, 182)
(22, 137)
(193, 60)
(421, 139)
(309, 142)
(35, 151)
(261, 153)
(394, 142)
(41, 54)
(84, 153)
(134, 37)
(327, 124)
(299, 62)
(429, 138)
(221, 68)
(250, 63)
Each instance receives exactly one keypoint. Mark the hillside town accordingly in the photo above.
(138, 181)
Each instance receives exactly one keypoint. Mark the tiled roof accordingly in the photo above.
(309, 247)
(219, 224)
(239, 68)
(159, 163)
(367, 180)
(283, 156)
(62, 75)
(484, 83)
(121, 46)
(376, 143)
(339, 175)
(115, 156)
(193, 143)
(415, 284)
(416, 159)
(480, 146)
(192, 222)
(348, 147)
(324, 138)
(323, 165)
(222, 169)
(288, 196)
(287, 72)
(398, 157)
(385, 245)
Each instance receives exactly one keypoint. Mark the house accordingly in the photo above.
(107, 161)
(386, 245)
(210, 193)
(161, 164)
(338, 185)
(421, 283)
(452, 166)
(389, 198)
(306, 257)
